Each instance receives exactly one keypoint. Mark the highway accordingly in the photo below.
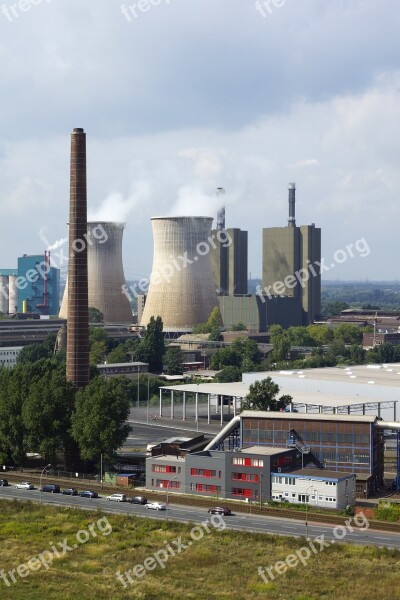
(186, 514)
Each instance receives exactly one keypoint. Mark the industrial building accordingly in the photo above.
(250, 473)
(106, 278)
(291, 263)
(182, 290)
(258, 312)
(229, 253)
(39, 287)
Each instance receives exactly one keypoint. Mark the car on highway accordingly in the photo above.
(156, 506)
(138, 500)
(70, 492)
(89, 494)
(25, 485)
(53, 488)
(220, 510)
(117, 497)
(4, 482)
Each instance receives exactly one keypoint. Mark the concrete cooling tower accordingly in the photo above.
(4, 294)
(105, 273)
(12, 295)
(182, 290)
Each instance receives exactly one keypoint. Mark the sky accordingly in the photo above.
(179, 97)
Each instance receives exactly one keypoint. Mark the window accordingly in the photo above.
(164, 469)
(203, 473)
(245, 477)
(304, 498)
(247, 462)
(163, 483)
(245, 493)
(203, 487)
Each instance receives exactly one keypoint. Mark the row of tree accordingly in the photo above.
(41, 412)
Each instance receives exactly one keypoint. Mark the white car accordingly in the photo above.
(117, 497)
(25, 486)
(156, 506)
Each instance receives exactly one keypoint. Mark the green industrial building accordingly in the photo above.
(291, 263)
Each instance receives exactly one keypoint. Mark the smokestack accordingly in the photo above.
(292, 205)
(221, 219)
(78, 313)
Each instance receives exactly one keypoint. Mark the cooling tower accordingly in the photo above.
(181, 290)
(105, 273)
(4, 294)
(78, 314)
(12, 295)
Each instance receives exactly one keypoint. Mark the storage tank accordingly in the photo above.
(181, 289)
(4, 294)
(12, 295)
(105, 273)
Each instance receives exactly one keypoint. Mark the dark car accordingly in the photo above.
(88, 494)
(70, 492)
(220, 510)
(51, 487)
(138, 500)
(3, 482)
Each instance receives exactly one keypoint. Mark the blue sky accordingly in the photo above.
(189, 95)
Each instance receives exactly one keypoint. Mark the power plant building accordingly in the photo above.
(291, 259)
(106, 278)
(182, 289)
(39, 288)
(229, 260)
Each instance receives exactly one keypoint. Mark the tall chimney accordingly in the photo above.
(292, 205)
(78, 309)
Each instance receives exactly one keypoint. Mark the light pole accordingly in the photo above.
(40, 480)
(168, 484)
(261, 482)
(138, 387)
(309, 488)
(148, 398)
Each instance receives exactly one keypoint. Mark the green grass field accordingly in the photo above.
(222, 565)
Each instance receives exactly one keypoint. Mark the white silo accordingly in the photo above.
(181, 290)
(4, 294)
(12, 295)
(105, 273)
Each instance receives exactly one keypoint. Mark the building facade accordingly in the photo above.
(38, 285)
(8, 356)
(229, 259)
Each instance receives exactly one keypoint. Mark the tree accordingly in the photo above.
(385, 353)
(239, 327)
(321, 334)
(46, 414)
(214, 323)
(97, 334)
(12, 431)
(247, 349)
(95, 315)
(225, 357)
(174, 361)
(349, 334)
(263, 396)
(300, 336)
(35, 352)
(152, 348)
(229, 374)
(99, 419)
(215, 334)
(117, 355)
(98, 350)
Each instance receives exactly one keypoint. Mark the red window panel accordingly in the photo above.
(247, 462)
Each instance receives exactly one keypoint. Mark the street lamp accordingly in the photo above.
(40, 480)
(309, 488)
(168, 484)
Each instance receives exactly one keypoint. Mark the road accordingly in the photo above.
(240, 522)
